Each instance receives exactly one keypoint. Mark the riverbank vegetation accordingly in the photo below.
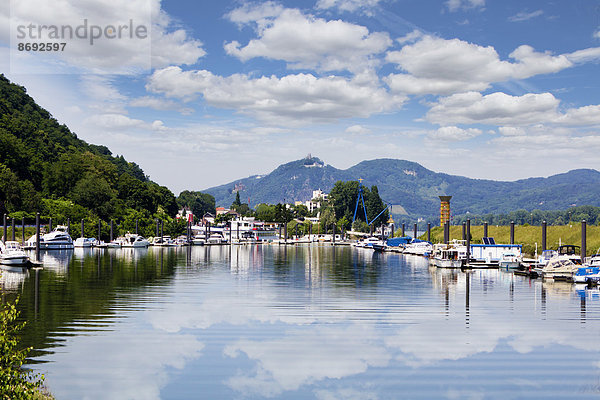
(16, 382)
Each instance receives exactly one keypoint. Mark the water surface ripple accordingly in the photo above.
(252, 322)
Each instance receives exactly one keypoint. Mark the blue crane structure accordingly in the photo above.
(362, 198)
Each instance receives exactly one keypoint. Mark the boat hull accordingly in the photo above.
(14, 260)
(509, 264)
(56, 246)
(135, 245)
(440, 263)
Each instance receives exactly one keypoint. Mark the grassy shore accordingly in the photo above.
(29, 232)
(527, 235)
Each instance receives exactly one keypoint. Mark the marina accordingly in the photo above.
(300, 321)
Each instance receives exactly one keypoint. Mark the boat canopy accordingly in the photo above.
(395, 242)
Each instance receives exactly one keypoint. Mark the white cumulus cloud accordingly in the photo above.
(440, 66)
(131, 37)
(304, 41)
(298, 99)
(495, 108)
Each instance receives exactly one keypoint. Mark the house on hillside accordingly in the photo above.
(318, 196)
(186, 214)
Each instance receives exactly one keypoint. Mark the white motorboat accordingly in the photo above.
(593, 260)
(587, 274)
(84, 242)
(420, 248)
(11, 253)
(110, 245)
(164, 241)
(509, 260)
(560, 268)
(181, 241)
(199, 240)
(368, 242)
(133, 240)
(452, 255)
(380, 246)
(546, 256)
(216, 238)
(58, 239)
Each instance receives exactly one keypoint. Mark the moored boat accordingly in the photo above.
(419, 248)
(164, 241)
(509, 260)
(84, 242)
(199, 239)
(58, 239)
(216, 238)
(11, 253)
(380, 246)
(587, 274)
(134, 240)
(115, 244)
(560, 268)
(452, 255)
(545, 257)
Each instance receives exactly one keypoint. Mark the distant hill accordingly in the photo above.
(415, 189)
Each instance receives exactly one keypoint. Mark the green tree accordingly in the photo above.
(95, 193)
(266, 212)
(282, 213)
(62, 209)
(360, 226)
(343, 197)
(146, 224)
(136, 194)
(243, 209)
(10, 198)
(237, 201)
(223, 218)
(15, 382)
(200, 203)
(327, 217)
(175, 227)
(166, 199)
(300, 211)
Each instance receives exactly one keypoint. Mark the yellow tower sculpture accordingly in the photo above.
(444, 209)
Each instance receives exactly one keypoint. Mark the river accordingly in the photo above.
(303, 322)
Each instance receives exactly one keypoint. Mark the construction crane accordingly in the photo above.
(362, 198)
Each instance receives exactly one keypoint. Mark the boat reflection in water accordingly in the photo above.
(12, 278)
(56, 261)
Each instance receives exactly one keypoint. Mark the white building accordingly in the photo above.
(186, 214)
(318, 196)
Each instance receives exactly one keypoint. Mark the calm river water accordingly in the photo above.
(311, 322)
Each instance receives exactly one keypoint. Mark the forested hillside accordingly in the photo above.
(45, 168)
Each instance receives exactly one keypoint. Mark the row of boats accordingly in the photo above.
(60, 239)
(13, 254)
(563, 264)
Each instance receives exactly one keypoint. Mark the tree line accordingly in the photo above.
(338, 210)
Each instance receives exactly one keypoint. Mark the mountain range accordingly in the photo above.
(413, 190)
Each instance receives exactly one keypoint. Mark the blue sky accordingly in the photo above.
(222, 90)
